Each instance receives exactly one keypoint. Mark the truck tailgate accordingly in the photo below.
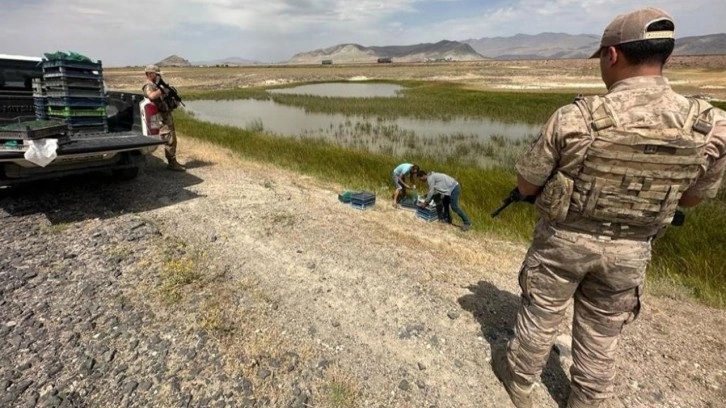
(83, 143)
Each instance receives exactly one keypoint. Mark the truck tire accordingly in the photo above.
(128, 173)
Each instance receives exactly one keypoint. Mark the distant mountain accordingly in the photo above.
(173, 61)
(355, 53)
(226, 61)
(558, 45)
(714, 44)
(545, 45)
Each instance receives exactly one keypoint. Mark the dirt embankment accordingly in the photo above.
(239, 284)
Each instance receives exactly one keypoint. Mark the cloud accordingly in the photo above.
(137, 32)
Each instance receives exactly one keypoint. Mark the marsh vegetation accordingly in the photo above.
(684, 256)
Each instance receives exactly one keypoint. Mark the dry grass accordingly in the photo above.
(337, 389)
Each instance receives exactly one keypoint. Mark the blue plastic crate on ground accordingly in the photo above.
(428, 214)
(362, 201)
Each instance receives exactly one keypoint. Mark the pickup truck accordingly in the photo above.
(121, 149)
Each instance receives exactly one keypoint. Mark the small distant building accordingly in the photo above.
(327, 62)
(385, 60)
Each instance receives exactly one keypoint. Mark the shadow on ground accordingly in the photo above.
(496, 312)
(98, 195)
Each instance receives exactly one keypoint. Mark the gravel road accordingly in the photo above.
(237, 284)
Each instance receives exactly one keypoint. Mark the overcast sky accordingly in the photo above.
(138, 32)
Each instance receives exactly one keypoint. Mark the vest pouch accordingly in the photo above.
(554, 200)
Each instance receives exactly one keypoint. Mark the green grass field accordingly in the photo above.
(689, 257)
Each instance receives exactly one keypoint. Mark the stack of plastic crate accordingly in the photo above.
(428, 214)
(363, 200)
(75, 94)
(40, 100)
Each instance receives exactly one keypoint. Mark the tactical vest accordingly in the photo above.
(160, 102)
(633, 176)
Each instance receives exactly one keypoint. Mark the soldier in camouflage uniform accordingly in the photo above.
(155, 94)
(609, 173)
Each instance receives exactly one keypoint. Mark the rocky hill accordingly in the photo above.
(545, 45)
(714, 44)
(355, 53)
(174, 61)
(520, 46)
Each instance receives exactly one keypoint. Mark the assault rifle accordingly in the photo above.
(170, 95)
(679, 218)
(514, 196)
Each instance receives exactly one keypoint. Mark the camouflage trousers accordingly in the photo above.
(168, 135)
(603, 277)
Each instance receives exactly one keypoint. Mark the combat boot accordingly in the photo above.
(520, 394)
(576, 402)
(175, 166)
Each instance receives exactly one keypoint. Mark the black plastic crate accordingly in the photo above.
(66, 83)
(97, 102)
(37, 129)
(363, 197)
(70, 64)
(82, 122)
(71, 74)
(362, 201)
(74, 93)
(88, 129)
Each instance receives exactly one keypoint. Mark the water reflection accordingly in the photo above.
(343, 90)
(465, 139)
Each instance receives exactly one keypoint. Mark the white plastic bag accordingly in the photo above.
(41, 151)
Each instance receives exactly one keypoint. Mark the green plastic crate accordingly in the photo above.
(68, 112)
(346, 195)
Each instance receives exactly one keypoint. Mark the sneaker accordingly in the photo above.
(521, 395)
(175, 166)
(466, 227)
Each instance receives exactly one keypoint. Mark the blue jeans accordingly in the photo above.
(453, 200)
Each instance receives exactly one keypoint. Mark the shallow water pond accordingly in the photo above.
(344, 90)
(466, 139)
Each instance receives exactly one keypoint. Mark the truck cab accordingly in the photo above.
(120, 147)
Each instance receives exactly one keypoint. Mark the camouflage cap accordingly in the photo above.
(152, 68)
(633, 26)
